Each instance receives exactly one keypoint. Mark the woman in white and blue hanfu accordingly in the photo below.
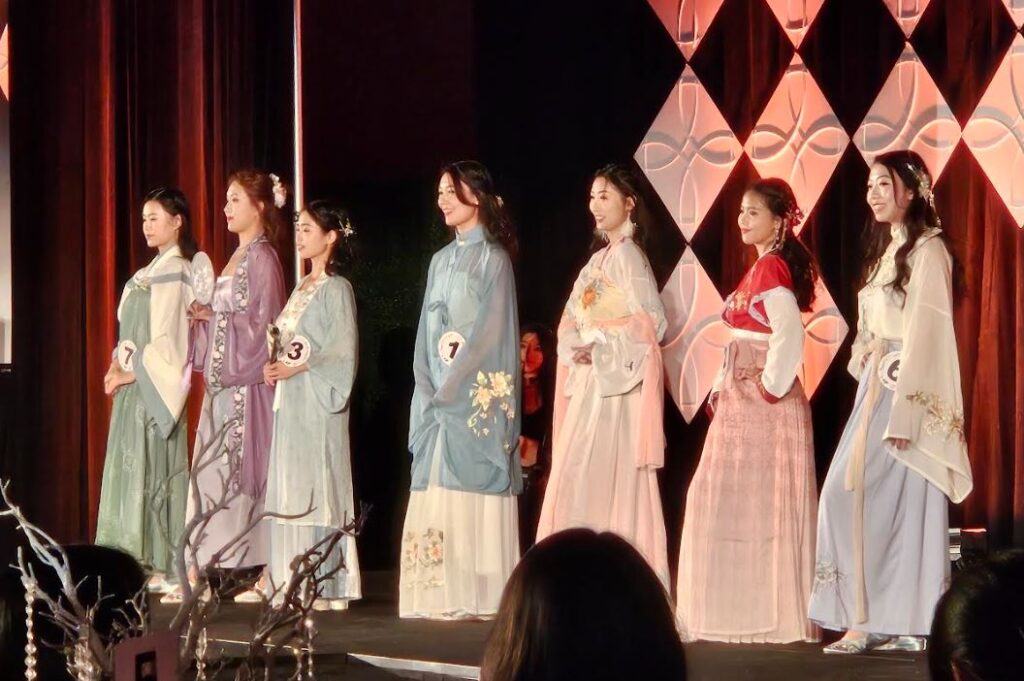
(460, 539)
(882, 556)
(310, 458)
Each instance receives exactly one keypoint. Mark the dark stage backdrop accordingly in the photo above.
(543, 93)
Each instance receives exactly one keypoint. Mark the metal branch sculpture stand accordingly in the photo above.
(286, 612)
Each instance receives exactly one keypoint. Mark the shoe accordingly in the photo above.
(855, 646)
(327, 604)
(905, 644)
(172, 597)
(250, 596)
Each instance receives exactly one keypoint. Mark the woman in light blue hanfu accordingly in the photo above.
(310, 459)
(142, 499)
(460, 539)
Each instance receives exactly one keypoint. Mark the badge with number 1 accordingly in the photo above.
(450, 346)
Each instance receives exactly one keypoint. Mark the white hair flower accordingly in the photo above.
(280, 193)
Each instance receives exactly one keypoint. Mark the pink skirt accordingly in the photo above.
(746, 562)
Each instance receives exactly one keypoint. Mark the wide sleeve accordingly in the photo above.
(160, 366)
(481, 390)
(245, 342)
(773, 286)
(422, 419)
(927, 405)
(332, 364)
(619, 360)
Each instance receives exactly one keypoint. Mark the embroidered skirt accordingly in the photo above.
(458, 550)
(746, 561)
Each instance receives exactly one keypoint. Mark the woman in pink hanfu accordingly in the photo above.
(746, 560)
(609, 394)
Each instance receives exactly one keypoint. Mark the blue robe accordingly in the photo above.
(471, 385)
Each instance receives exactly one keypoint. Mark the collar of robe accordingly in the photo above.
(472, 236)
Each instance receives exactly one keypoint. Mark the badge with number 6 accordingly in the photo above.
(296, 352)
(889, 369)
(126, 354)
(450, 346)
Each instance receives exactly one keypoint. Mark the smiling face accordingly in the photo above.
(312, 241)
(609, 206)
(887, 195)
(758, 224)
(242, 212)
(158, 226)
(457, 214)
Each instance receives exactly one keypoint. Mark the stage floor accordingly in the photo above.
(370, 642)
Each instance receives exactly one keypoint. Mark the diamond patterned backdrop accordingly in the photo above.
(810, 91)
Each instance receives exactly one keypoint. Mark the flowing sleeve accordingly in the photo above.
(160, 367)
(120, 304)
(927, 401)
(619, 361)
(773, 284)
(245, 348)
(332, 365)
(422, 419)
(481, 389)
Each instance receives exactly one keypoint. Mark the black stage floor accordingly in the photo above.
(369, 642)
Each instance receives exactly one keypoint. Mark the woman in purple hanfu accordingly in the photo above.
(230, 347)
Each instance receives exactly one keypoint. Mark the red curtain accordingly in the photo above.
(116, 97)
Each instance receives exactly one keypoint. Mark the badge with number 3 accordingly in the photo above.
(296, 352)
(450, 346)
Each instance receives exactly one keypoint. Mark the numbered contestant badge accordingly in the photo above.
(126, 355)
(450, 346)
(296, 352)
(202, 278)
(889, 369)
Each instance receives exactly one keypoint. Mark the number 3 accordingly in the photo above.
(296, 352)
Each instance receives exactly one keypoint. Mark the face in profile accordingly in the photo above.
(531, 354)
(312, 241)
(158, 226)
(887, 196)
(456, 213)
(758, 225)
(609, 206)
(242, 212)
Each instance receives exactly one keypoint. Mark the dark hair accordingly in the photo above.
(781, 201)
(920, 217)
(174, 202)
(979, 622)
(493, 215)
(260, 189)
(329, 216)
(625, 180)
(95, 569)
(583, 605)
(548, 346)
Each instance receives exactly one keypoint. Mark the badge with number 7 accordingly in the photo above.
(126, 354)
(450, 345)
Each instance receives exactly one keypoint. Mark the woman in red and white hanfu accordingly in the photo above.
(746, 561)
